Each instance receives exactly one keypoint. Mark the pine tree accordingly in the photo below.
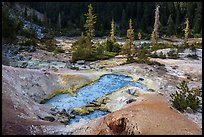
(129, 45)
(112, 32)
(130, 32)
(186, 30)
(154, 36)
(90, 21)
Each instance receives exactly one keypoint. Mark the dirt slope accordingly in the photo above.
(151, 116)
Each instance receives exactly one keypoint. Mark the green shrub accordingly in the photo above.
(109, 45)
(30, 42)
(117, 48)
(161, 46)
(47, 44)
(99, 48)
(184, 98)
(82, 49)
(147, 61)
(154, 63)
(198, 35)
(27, 33)
(105, 55)
(58, 50)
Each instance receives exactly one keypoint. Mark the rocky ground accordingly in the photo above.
(23, 89)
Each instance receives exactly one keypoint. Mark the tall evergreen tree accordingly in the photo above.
(129, 45)
(112, 32)
(186, 30)
(90, 21)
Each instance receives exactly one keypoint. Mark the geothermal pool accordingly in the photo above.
(106, 84)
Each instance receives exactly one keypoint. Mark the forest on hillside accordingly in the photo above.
(72, 19)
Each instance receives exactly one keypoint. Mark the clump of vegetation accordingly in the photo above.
(161, 46)
(142, 61)
(85, 49)
(142, 54)
(82, 49)
(27, 33)
(30, 42)
(112, 46)
(47, 44)
(58, 50)
(184, 98)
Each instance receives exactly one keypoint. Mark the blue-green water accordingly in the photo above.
(106, 84)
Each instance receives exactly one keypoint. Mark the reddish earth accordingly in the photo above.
(150, 116)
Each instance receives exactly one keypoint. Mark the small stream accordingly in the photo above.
(106, 84)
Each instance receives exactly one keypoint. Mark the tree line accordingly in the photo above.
(172, 17)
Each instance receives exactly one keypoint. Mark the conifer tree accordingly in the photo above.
(90, 21)
(186, 30)
(129, 45)
(130, 33)
(112, 32)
